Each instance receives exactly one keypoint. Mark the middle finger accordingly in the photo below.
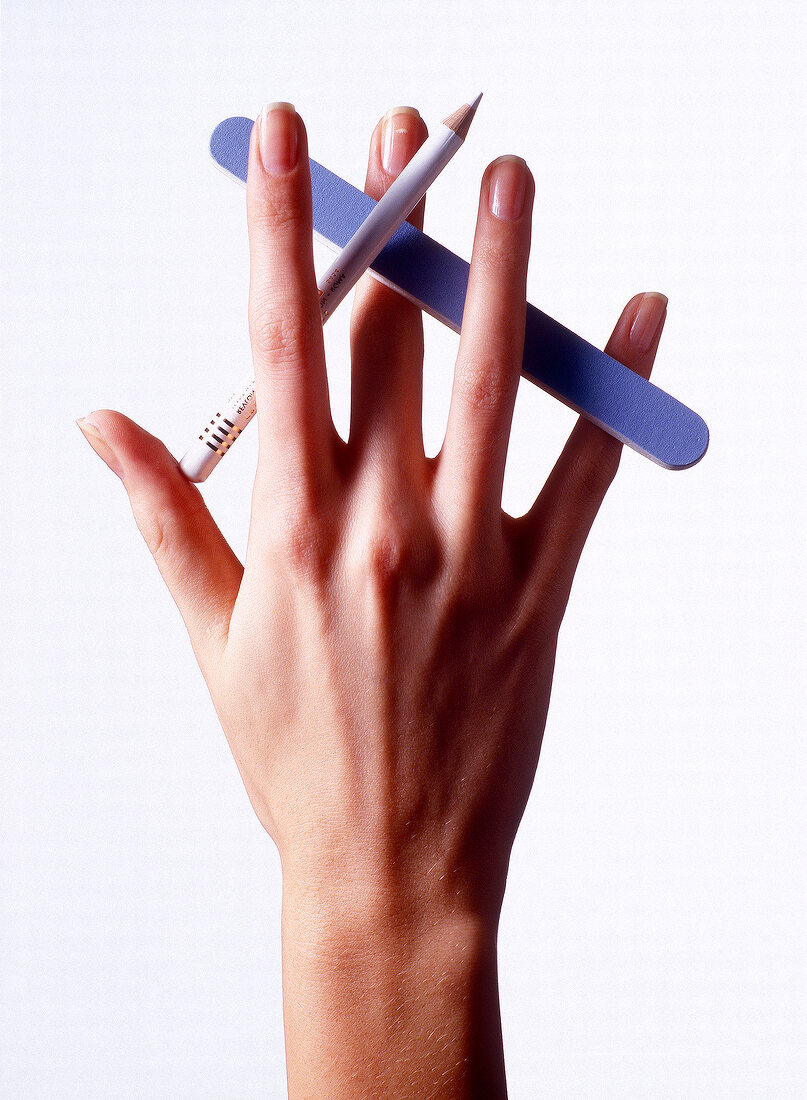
(386, 330)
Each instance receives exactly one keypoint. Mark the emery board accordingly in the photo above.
(577, 373)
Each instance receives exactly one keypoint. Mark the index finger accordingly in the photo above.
(291, 384)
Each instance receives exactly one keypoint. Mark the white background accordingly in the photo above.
(652, 941)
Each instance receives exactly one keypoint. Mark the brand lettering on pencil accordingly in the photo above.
(338, 277)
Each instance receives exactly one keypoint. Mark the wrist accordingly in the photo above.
(388, 999)
(363, 923)
(375, 886)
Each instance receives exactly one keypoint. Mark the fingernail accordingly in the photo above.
(277, 129)
(92, 434)
(399, 133)
(647, 321)
(507, 189)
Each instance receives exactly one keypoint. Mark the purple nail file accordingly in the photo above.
(626, 406)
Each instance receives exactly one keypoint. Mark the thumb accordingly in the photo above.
(201, 571)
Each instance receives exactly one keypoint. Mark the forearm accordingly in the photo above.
(384, 1000)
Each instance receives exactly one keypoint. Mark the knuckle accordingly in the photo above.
(305, 548)
(487, 388)
(386, 555)
(153, 530)
(594, 470)
(278, 338)
(297, 530)
(475, 582)
(381, 315)
(167, 522)
(279, 210)
(160, 521)
(396, 551)
(495, 258)
(535, 623)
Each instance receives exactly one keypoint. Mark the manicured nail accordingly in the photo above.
(507, 189)
(647, 321)
(92, 434)
(399, 133)
(277, 128)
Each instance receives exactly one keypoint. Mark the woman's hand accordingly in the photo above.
(382, 664)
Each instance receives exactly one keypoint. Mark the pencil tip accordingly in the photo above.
(460, 120)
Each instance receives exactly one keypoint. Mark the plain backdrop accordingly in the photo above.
(652, 940)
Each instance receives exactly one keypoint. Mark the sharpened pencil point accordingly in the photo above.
(460, 120)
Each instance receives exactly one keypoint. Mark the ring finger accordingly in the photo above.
(470, 471)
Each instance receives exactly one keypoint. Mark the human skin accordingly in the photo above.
(382, 662)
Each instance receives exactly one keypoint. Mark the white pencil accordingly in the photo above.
(375, 231)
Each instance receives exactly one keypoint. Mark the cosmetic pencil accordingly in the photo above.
(388, 214)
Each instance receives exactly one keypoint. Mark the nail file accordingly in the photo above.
(577, 373)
